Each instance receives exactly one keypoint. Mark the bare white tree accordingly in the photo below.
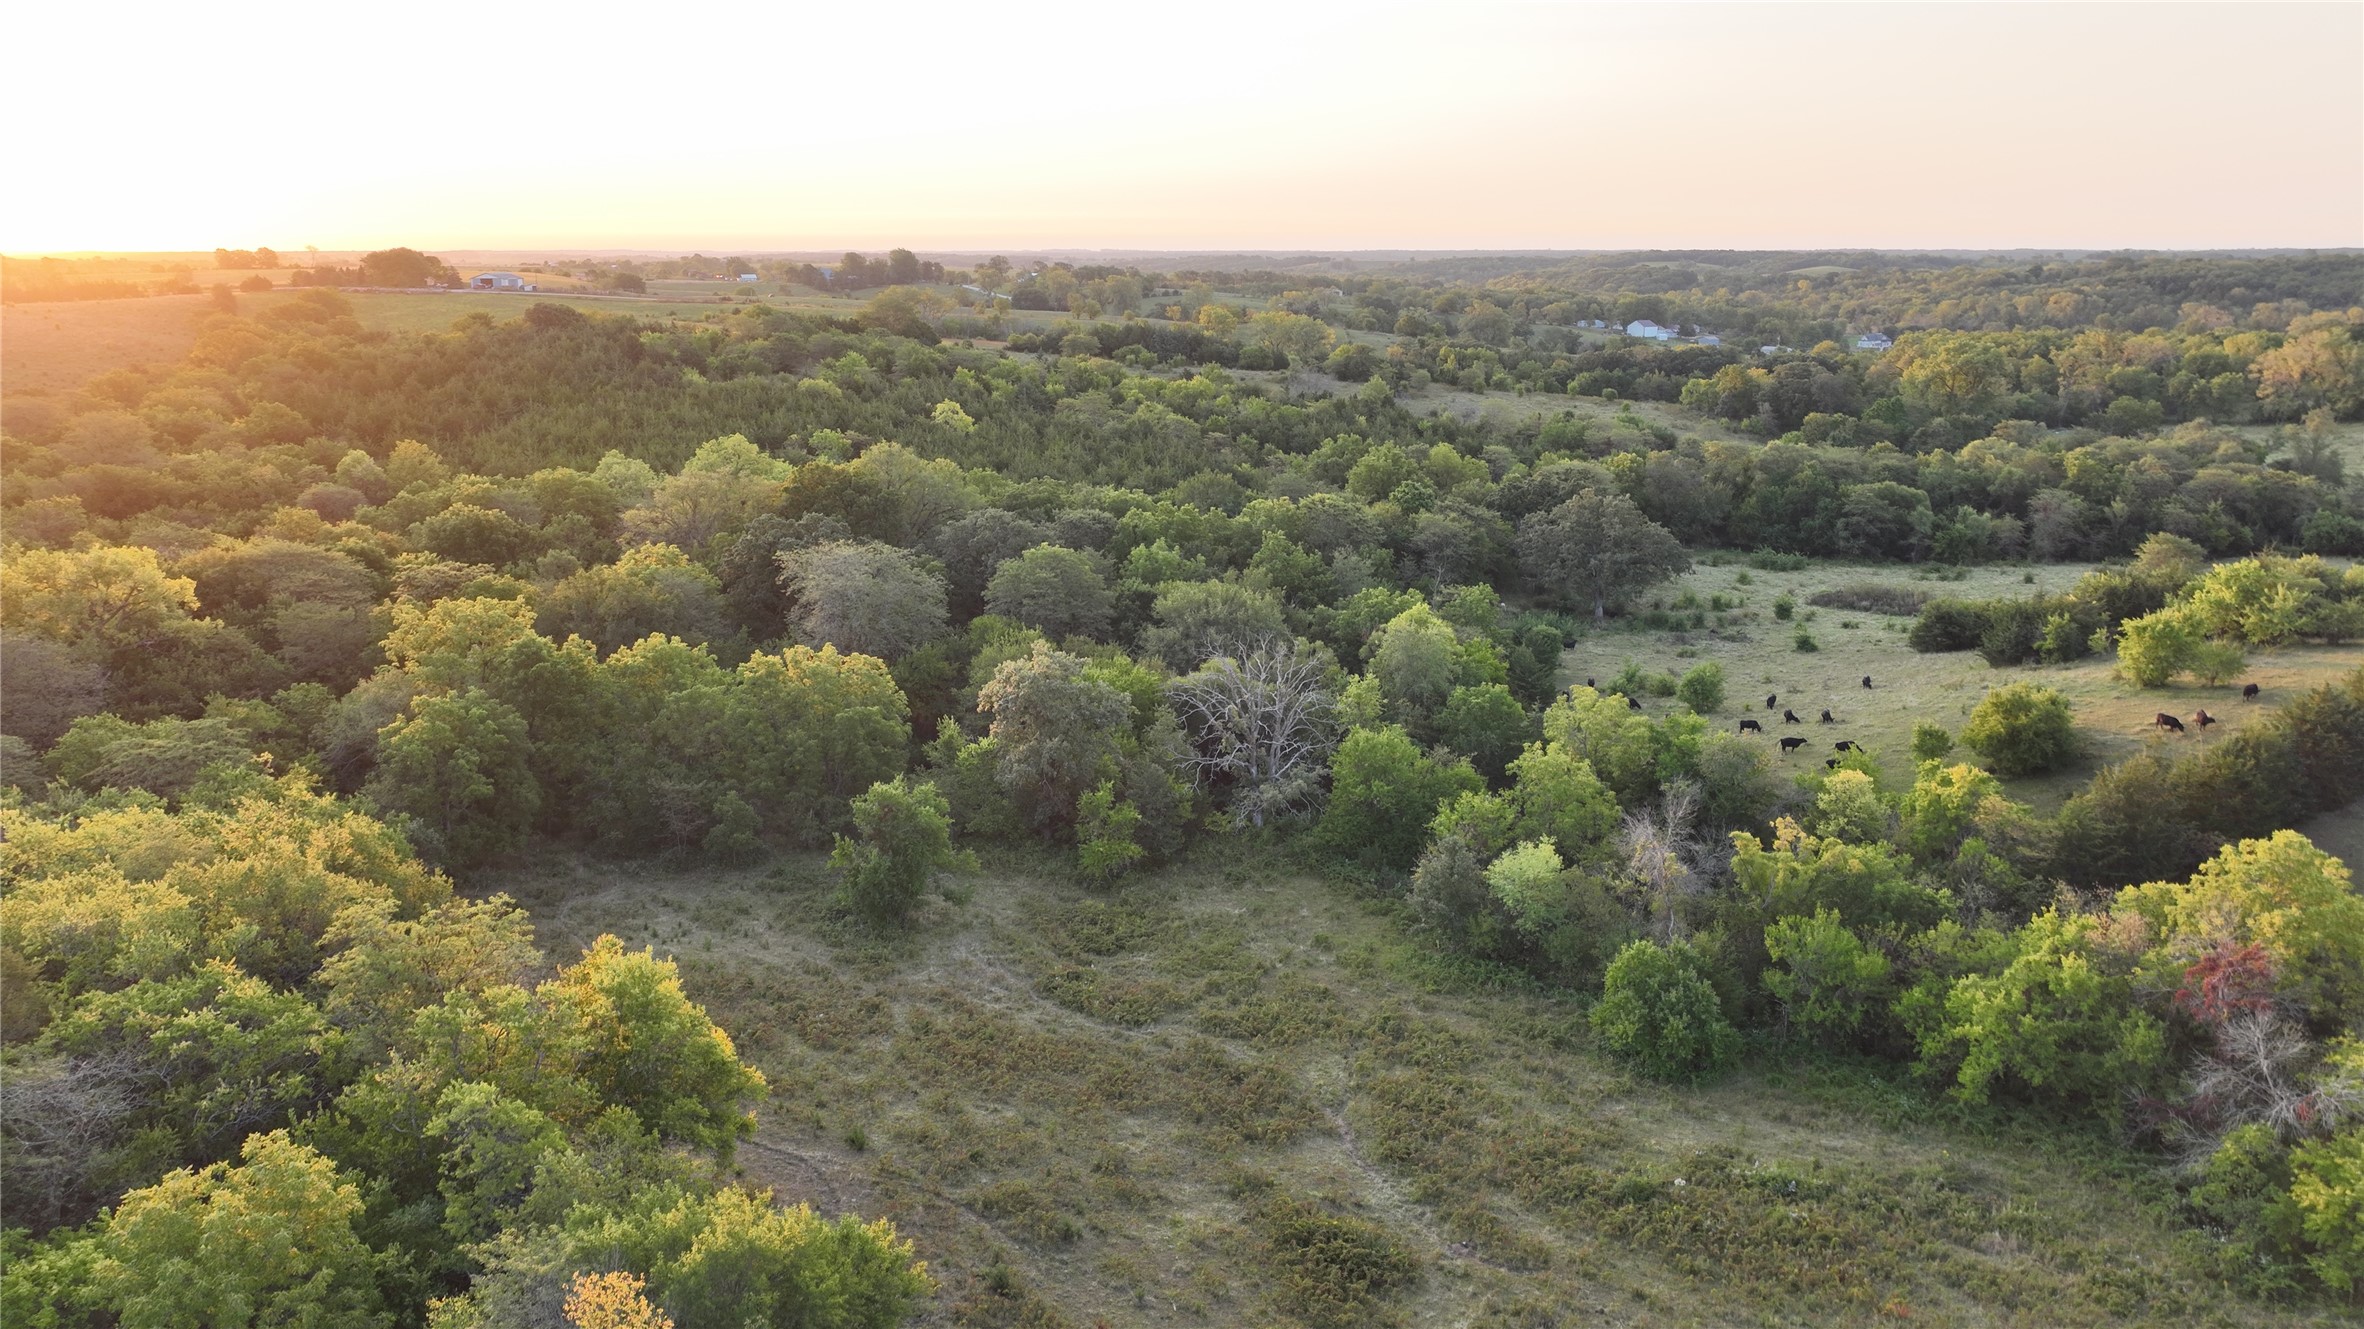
(2257, 1073)
(1262, 720)
(1659, 850)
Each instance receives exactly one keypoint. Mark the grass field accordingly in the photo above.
(1759, 657)
(1226, 1093)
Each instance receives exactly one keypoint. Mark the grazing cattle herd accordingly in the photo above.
(2162, 721)
(1789, 716)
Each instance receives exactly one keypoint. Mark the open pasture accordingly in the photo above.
(1759, 656)
(1106, 1108)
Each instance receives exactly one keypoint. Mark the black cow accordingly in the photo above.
(1827, 718)
(1833, 763)
(2250, 692)
(1590, 684)
(1751, 727)
(2165, 721)
(1846, 745)
(1632, 705)
(1790, 717)
(2202, 719)
(1770, 698)
(1867, 680)
(1790, 745)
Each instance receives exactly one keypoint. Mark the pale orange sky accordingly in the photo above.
(1275, 125)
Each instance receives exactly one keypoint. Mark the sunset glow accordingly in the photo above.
(1346, 126)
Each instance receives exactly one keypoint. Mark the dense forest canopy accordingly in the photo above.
(310, 636)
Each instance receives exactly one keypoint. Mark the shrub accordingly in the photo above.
(1804, 641)
(1702, 688)
(2327, 1185)
(2059, 1022)
(1105, 848)
(1948, 625)
(1872, 598)
(1784, 605)
(1930, 741)
(2217, 663)
(1332, 1269)
(2022, 729)
(1823, 975)
(1658, 1011)
(902, 838)
(2155, 648)
(1383, 792)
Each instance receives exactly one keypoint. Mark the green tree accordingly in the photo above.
(2327, 1188)
(1057, 733)
(2022, 729)
(902, 838)
(1597, 549)
(1486, 724)
(1823, 975)
(728, 1257)
(1059, 592)
(1658, 1011)
(862, 597)
(2281, 894)
(268, 1240)
(798, 734)
(108, 597)
(2155, 648)
(2060, 1021)
(1383, 792)
(466, 533)
(1196, 621)
(461, 765)
(1620, 743)
(652, 589)
(646, 1046)
(1415, 659)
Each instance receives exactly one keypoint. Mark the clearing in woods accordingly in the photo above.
(1228, 1094)
(1760, 657)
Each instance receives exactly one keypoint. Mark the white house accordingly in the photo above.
(1642, 327)
(1710, 339)
(1873, 341)
(498, 281)
(750, 276)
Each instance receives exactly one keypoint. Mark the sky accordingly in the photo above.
(785, 126)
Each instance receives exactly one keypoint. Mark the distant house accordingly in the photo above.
(498, 281)
(750, 276)
(1772, 350)
(1710, 339)
(1642, 327)
(1874, 341)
